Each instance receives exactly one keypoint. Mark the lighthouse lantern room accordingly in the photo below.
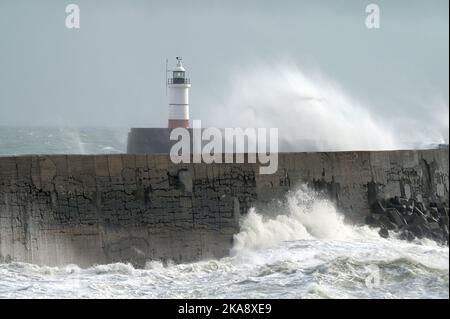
(178, 92)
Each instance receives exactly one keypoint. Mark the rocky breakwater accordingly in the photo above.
(411, 219)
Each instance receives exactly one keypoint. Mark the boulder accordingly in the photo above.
(408, 216)
(407, 235)
(386, 223)
(402, 201)
(434, 213)
(443, 221)
(384, 233)
(431, 219)
(421, 207)
(433, 226)
(395, 200)
(443, 212)
(419, 220)
(417, 231)
(413, 218)
(395, 217)
(372, 221)
(378, 208)
(400, 208)
(418, 211)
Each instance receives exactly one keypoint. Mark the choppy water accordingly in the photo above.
(294, 269)
(54, 140)
(300, 248)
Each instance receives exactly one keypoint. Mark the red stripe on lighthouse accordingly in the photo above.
(178, 123)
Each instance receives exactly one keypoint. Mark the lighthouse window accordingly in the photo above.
(178, 74)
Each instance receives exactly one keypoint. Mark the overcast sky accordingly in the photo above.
(110, 72)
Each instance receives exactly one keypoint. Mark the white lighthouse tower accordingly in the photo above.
(178, 91)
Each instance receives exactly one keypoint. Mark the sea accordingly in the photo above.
(299, 248)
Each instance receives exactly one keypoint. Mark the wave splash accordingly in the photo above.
(315, 113)
(304, 215)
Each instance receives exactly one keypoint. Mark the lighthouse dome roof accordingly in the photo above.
(179, 66)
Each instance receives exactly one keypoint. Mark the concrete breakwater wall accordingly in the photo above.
(95, 209)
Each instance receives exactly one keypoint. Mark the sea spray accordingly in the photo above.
(304, 214)
(313, 112)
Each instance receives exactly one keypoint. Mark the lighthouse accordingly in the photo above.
(178, 91)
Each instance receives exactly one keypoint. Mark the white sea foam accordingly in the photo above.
(304, 215)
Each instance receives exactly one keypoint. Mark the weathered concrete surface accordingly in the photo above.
(106, 208)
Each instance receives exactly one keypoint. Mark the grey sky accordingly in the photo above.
(111, 71)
